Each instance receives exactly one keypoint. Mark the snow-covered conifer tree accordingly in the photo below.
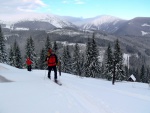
(47, 45)
(30, 52)
(82, 61)
(108, 69)
(11, 57)
(17, 55)
(143, 74)
(88, 58)
(76, 64)
(55, 48)
(95, 66)
(118, 72)
(3, 53)
(92, 64)
(42, 59)
(66, 60)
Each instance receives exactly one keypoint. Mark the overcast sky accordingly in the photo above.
(125, 9)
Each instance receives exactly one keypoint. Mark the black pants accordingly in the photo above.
(55, 71)
(29, 67)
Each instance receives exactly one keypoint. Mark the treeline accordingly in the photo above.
(82, 63)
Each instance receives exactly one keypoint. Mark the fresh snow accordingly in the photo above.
(145, 24)
(50, 18)
(71, 33)
(32, 92)
(105, 19)
(21, 28)
(126, 58)
(144, 33)
(133, 77)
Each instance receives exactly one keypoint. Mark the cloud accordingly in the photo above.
(79, 2)
(18, 6)
(73, 2)
(65, 1)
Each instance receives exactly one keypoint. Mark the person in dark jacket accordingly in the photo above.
(52, 63)
(28, 62)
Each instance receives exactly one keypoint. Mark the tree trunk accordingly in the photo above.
(114, 74)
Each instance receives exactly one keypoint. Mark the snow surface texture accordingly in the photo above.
(32, 92)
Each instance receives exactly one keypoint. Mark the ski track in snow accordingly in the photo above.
(98, 105)
(76, 98)
(91, 103)
(33, 92)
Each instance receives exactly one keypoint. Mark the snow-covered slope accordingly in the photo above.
(51, 19)
(32, 92)
(104, 19)
(37, 22)
(104, 23)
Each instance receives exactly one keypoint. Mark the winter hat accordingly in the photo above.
(50, 50)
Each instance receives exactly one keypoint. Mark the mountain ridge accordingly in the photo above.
(103, 23)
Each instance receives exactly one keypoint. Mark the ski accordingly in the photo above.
(57, 82)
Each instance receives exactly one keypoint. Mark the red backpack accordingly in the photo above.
(28, 61)
(52, 60)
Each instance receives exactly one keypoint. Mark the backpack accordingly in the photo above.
(52, 60)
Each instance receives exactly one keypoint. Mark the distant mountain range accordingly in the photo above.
(139, 26)
(134, 34)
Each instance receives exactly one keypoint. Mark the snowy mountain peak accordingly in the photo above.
(103, 23)
(104, 19)
(52, 19)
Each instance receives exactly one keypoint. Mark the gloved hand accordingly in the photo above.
(58, 64)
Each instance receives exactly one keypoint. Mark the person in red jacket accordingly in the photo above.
(29, 62)
(52, 63)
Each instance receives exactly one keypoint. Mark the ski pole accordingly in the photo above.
(45, 75)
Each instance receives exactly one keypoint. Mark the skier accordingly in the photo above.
(29, 62)
(52, 63)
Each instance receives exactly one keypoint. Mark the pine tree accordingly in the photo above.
(3, 53)
(28, 48)
(66, 60)
(147, 75)
(18, 58)
(30, 52)
(55, 49)
(92, 64)
(76, 66)
(82, 61)
(118, 72)
(137, 76)
(47, 45)
(88, 58)
(11, 57)
(33, 54)
(42, 60)
(142, 74)
(95, 66)
(17, 55)
(108, 69)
